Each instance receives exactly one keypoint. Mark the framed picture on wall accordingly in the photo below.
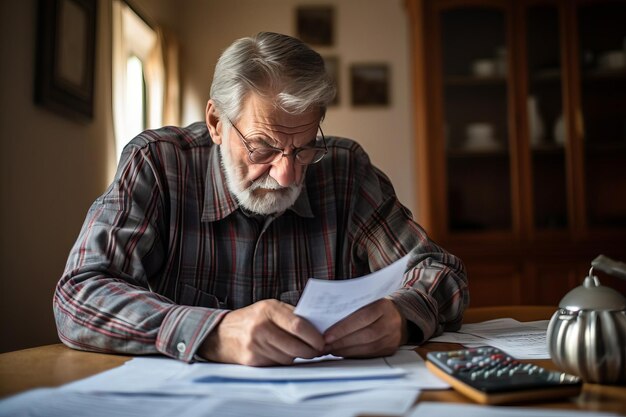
(315, 24)
(65, 62)
(332, 67)
(370, 84)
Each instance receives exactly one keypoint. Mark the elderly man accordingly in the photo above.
(205, 240)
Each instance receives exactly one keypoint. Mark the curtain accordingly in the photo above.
(171, 94)
(158, 52)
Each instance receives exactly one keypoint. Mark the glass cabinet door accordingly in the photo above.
(602, 56)
(546, 122)
(473, 54)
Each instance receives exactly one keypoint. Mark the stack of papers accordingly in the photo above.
(290, 384)
(522, 340)
(162, 386)
(50, 403)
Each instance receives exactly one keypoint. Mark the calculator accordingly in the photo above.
(489, 375)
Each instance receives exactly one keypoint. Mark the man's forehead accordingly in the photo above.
(258, 113)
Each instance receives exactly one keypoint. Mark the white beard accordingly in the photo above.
(270, 202)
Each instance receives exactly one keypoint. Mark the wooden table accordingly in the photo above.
(54, 365)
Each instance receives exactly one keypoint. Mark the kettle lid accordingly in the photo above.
(593, 296)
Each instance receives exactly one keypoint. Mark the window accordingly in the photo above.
(134, 99)
(138, 75)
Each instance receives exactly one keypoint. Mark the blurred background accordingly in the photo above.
(501, 123)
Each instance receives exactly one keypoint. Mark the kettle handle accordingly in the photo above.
(610, 266)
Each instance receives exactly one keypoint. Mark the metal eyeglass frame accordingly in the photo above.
(280, 153)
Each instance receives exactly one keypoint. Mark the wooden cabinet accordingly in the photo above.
(520, 121)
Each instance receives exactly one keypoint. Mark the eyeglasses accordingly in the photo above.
(268, 154)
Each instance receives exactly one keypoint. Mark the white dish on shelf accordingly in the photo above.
(479, 131)
(612, 60)
(485, 143)
(484, 68)
(480, 136)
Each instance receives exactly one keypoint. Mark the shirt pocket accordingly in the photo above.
(291, 297)
(192, 296)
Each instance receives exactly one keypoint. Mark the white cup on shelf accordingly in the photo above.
(484, 68)
(480, 135)
(559, 131)
(612, 60)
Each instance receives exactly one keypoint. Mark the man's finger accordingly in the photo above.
(271, 345)
(291, 347)
(268, 355)
(356, 321)
(284, 318)
(362, 336)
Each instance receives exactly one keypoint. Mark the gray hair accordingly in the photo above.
(274, 66)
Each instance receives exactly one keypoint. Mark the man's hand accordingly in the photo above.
(264, 333)
(374, 330)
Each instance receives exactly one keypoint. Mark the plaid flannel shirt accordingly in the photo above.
(166, 251)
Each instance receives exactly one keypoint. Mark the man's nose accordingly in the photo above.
(283, 170)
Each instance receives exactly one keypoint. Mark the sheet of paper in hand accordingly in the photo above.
(324, 302)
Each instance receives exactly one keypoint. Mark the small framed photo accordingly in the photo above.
(65, 62)
(332, 67)
(315, 25)
(370, 84)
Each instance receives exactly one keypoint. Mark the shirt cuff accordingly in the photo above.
(418, 313)
(184, 329)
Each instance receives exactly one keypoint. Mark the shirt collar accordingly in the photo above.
(219, 202)
(302, 206)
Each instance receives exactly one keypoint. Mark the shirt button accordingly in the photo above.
(181, 347)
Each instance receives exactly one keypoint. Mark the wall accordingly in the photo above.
(366, 31)
(52, 168)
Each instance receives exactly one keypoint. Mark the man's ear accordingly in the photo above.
(213, 122)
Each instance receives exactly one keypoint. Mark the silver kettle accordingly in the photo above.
(587, 335)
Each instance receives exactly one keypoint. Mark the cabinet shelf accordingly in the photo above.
(547, 75)
(608, 74)
(548, 150)
(607, 148)
(474, 81)
(467, 153)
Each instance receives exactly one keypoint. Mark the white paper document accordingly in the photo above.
(403, 370)
(166, 387)
(351, 369)
(432, 409)
(522, 340)
(58, 403)
(50, 402)
(416, 376)
(324, 302)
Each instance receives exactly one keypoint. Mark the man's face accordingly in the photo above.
(273, 187)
